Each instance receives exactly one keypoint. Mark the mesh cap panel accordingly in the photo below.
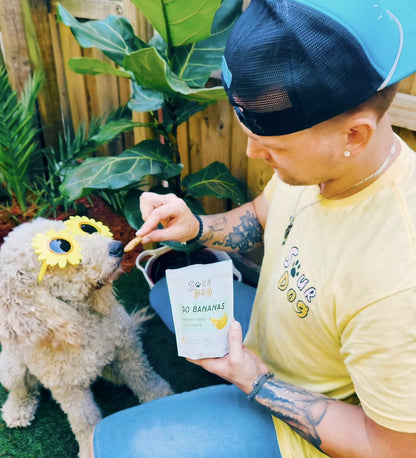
(290, 67)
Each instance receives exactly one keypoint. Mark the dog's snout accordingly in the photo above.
(116, 249)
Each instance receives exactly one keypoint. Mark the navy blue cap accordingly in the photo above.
(289, 65)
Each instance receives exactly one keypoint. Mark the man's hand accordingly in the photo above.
(179, 224)
(240, 367)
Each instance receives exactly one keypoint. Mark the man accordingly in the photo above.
(330, 351)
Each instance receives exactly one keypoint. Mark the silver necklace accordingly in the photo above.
(373, 175)
(378, 172)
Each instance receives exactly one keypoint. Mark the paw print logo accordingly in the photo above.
(294, 271)
(197, 284)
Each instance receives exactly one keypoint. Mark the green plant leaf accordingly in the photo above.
(194, 63)
(112, 129)
(143, 99)
(114, 36)
(214, 180)
(151, 70)
(149, 157)
(90, 66)
(181, 21)
(131, 209)
(183, 109)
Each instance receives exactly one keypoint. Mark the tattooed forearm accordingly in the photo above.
(223, 232)
(302, 410)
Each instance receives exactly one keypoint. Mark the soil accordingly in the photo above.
(99, 211)
(11, 218)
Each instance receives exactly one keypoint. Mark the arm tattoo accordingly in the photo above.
(302, 410)
(243, 237)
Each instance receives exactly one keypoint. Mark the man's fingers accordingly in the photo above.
(149, 201)
(235, 342)
(163, 214)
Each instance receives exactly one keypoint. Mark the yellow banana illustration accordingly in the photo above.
(219, 322)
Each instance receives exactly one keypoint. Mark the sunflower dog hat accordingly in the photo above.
(60, 247)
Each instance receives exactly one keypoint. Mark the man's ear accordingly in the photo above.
(360, 130)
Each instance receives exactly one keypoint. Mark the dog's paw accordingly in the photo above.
(21, 414)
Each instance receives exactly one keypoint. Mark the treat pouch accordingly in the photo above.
(202, 301)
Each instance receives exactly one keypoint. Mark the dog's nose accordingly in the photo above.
(116, 249)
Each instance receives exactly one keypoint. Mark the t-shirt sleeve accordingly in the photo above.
(380, 355)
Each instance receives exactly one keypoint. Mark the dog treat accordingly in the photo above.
(202, 307)
(132, 244)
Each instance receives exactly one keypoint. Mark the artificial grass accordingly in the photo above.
(50, 436)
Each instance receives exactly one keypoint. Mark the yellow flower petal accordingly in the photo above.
(82, 225)
(56, 247)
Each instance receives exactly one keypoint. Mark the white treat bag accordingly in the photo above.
(202, 301)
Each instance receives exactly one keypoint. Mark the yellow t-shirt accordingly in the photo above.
(335, 310)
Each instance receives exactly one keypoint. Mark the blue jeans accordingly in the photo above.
(212, 422)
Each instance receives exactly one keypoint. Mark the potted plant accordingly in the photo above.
(170, 80)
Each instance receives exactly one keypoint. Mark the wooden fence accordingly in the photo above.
(32, 39)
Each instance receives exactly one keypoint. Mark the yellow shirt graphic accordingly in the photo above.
(335, 310)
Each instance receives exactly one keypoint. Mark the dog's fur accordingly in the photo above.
(62, 331)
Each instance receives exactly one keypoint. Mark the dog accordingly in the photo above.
(61, 325)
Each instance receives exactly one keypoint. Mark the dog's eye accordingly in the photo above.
(88, 228)
(60, 246)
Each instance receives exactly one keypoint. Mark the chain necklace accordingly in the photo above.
(378, 172)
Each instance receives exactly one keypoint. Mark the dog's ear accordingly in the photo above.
(31, 314)
(16, 318)
(61, 320)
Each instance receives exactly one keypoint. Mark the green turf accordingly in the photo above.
(50, 435)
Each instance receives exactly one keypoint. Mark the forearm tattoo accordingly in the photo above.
(243, 237)
(302, 410)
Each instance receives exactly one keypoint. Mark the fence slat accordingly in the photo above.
(91, 9)
(36, 21)
(403, 111)
(62, 90)
(75, 83)
(16, 51)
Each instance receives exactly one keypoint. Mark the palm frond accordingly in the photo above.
(31, 90)
(19, 143)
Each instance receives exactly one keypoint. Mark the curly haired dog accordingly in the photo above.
(60, 323)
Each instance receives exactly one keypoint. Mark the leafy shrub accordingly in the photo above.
(169, 77)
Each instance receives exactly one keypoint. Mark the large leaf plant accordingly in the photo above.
(169, 76)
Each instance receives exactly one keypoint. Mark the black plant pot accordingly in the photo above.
(153, 263)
